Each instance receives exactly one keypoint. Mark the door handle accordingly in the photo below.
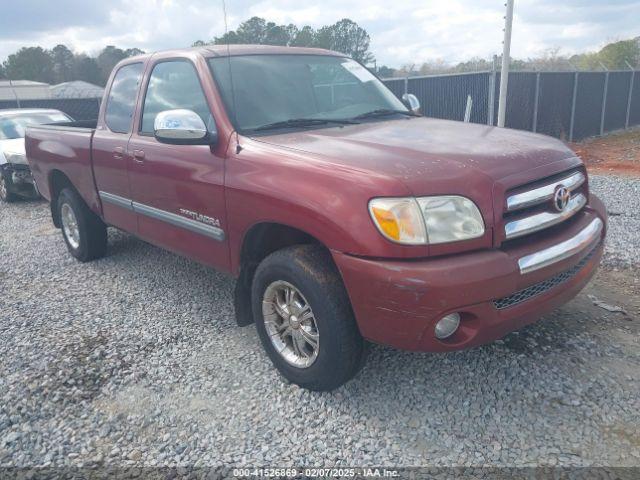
(138, 156)
(118, 152)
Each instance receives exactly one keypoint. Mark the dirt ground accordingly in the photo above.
(617, 153)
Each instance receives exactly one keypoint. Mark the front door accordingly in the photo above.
(109, 148)
(177, 190)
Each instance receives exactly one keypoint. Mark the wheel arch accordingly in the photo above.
(259, 241)
(57, 181)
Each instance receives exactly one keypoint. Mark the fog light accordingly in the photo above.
(447, 325)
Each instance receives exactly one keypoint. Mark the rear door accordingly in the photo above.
(109, 148)
(178, 190)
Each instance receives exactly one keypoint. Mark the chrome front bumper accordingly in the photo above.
(585, 238)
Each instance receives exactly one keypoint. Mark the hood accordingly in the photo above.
(12, 151)
(427, 154)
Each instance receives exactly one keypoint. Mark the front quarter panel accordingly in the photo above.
(326, 200)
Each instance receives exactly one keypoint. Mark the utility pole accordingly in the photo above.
(504, 74)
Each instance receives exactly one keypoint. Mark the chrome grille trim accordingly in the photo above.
(540, 221)
(585, 237)
(544, 286)
(543, 193)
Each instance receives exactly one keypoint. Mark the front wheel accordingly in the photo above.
(304, 318)
(84, 233)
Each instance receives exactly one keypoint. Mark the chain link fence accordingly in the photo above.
(567, 105)
(79, 103)
(76, 108)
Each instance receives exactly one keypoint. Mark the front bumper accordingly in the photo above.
(20, 174)
(398, 302)
(21, 180)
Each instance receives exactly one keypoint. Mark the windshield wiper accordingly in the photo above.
(381, 112)
(303, 122)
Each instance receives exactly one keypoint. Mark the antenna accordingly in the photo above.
(226, 26)
(233, 95)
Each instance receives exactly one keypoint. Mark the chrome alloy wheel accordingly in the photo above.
(290, 324)
(70, 225)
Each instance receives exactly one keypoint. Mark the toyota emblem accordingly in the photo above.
(561, 198)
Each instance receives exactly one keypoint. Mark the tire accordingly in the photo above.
(6, 195)
(340, 351)
(84, 233)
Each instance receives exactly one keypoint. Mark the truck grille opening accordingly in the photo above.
(544, 204)
(544, 286)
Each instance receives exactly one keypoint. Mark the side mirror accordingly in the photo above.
(411, 102)
(183, 127)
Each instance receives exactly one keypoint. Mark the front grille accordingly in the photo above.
(534, 207)
(544, 286)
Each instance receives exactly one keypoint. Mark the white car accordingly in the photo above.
(15, 176)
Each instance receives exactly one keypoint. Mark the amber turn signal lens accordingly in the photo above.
(399, 220)
(387, 222)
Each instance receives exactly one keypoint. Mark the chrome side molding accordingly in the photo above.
(179, 221)
(543, 193)
(171, 218)
(540, 221)
(116, 200)
(583, 239)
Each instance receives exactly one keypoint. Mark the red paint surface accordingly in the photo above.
(320, 181)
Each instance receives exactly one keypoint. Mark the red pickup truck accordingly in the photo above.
(345, 215)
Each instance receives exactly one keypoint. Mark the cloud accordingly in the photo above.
(411, 31)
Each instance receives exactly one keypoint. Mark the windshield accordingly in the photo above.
(269, 89)
(13, 126)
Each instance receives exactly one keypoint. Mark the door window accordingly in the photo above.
(122, 98)
(174, 85)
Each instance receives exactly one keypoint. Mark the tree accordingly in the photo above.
(107, 59)
(614, 55)
(474, 65)
(132, 52)
(279, 34)
(2, 72)
(249, 31)
(346, 37)
(63, 63)
(304, 37)
(228, 38)
(385, 72)
(86, 69)
(30, 63)
(257, 30)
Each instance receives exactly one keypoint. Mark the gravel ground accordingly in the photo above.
(622, 198)
(135, 360)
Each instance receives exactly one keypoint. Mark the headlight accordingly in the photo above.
(450, 218)
(427, 220)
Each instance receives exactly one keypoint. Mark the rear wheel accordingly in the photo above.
(6, 195)
(304, 318)
(84, 233)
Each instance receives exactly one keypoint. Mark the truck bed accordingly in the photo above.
(63, 148)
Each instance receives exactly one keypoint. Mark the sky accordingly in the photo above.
(403, 32)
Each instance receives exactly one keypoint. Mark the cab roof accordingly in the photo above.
(235, 50)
